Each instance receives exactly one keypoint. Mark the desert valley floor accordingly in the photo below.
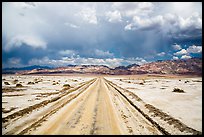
(101, 104)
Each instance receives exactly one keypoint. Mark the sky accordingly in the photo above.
(113, 33)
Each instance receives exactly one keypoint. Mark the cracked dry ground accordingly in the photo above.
(94, 108)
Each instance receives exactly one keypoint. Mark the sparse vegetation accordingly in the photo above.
(178, 90)
(55, 83)
(29, 83)
(141, 83)
(197, 80)
(186, 81)
(66, 85)
(6, 83)
(15, 81)
(19, 85)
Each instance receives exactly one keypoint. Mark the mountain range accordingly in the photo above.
(191, 66)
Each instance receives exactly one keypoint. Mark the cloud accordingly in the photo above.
(194, 49)
(58, 27)
(88, 14)
(181, 52)
(102, 54)
(70, 53)
(24, 5)
(161, 54)
(175, 58)
(31, 3)
(184, 28)
(176, 46)
(114, 16)
(110, 62)
(185, 57)
(31, 41)
(130, 9)
(12, 62)
(171, 25)
(145, 23)
(71, 25)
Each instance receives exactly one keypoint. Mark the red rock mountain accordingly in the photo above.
(191, 66)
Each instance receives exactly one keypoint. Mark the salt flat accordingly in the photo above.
(101, 104)
(187, 106)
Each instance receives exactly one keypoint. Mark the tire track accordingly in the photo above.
(169, 124)
(60, 102)
(90, 113)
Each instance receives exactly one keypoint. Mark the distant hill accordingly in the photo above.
(191, 66)
(14, 70)
(188, 66)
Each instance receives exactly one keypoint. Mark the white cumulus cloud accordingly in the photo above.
(130, 9)
(181, 52)
(176, 46)
(110, 62)
(19, 40)
(185, 57)
(194, 49)
(175, 58)
(145, 23)
(161, 54)
(101, 53)
(114, 16)
(88, 14)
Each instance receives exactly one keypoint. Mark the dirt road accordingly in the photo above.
(98, 110)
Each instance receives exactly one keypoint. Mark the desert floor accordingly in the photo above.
(101, 104)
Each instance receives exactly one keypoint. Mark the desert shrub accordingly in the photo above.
(66, 85)
(55, 83)
(29, 83)
(186, 81)
(15, 81)
(19, 85)
(178, 90)
(35, 79)
(6, 83)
